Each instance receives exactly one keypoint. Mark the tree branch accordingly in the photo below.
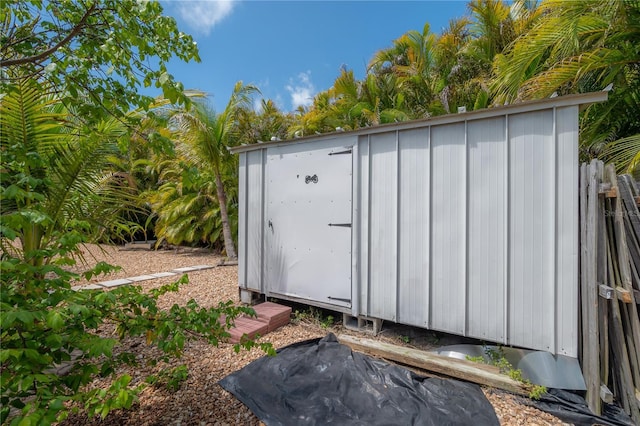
(42, 55)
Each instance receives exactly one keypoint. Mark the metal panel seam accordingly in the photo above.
(245, 219)
(397, 283)
(465, 331)
(556, 288)
(263, 201)
(355, 228)
(369, 174)
(430, 276)
(428, 254)
(507, 234)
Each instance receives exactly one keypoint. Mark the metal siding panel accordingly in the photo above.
(255, 222)
(532, 287)
(383, 225)
(567, 248)
(413, 274)
(486, 235)
(364, 177)
(448, 287)
(355, 229)
(242, 220)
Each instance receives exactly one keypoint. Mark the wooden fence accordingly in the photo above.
(609, 284)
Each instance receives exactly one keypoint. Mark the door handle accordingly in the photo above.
(271, 226)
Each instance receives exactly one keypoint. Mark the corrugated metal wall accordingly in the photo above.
(471, 228)
(466, 225)
(251, 220)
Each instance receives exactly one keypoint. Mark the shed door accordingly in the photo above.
(309, 224)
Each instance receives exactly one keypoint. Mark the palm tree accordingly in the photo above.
(374, 100)
(55, 174)
(185, 205)
(581, 47)
(204, 135)
(264, 123)
(411, 60)
(451, 70)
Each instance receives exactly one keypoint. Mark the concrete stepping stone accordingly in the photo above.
(115, 283)
(185, 269)
(163, 274)
(193, 268)
(87, 287)
(202, 267)
(142, 278)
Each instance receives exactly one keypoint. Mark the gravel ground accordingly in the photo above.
(200, 400)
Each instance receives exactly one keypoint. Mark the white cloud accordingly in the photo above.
(203, 15)
(302, 90)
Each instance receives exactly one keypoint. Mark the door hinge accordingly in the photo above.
(344, 225)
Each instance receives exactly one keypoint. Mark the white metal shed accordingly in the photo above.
(464, 223)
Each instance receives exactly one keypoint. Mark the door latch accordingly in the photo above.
(313, 179)
(340, 299)
(271, 226)
(348, 151)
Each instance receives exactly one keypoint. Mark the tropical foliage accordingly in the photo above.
(57, 192)
(202, 136)
(85, 156)
(94, 54)
(56, 174)
(581, 47)
(72, 168)
(503, 53)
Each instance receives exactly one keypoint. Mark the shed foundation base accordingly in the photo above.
(249, 297)
(362, 324)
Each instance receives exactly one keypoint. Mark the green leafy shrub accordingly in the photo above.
(44, 324)
(57, 192)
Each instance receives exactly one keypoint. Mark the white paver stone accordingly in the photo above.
(87, 287)
(202, 267)
(142, 278)
(115, 283)
(185, 269)
(163, 274)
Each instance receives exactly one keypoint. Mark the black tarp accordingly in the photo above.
(322, 381)
(572, 408)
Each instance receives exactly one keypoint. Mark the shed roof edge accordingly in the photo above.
(527, 106)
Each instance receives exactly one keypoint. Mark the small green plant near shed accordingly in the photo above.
(497, 358)
(404, 339)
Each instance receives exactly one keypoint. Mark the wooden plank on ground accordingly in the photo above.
(459, 369)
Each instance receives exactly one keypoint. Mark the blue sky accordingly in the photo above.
(292, 50)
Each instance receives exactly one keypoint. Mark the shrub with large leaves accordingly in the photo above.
(56, 193)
